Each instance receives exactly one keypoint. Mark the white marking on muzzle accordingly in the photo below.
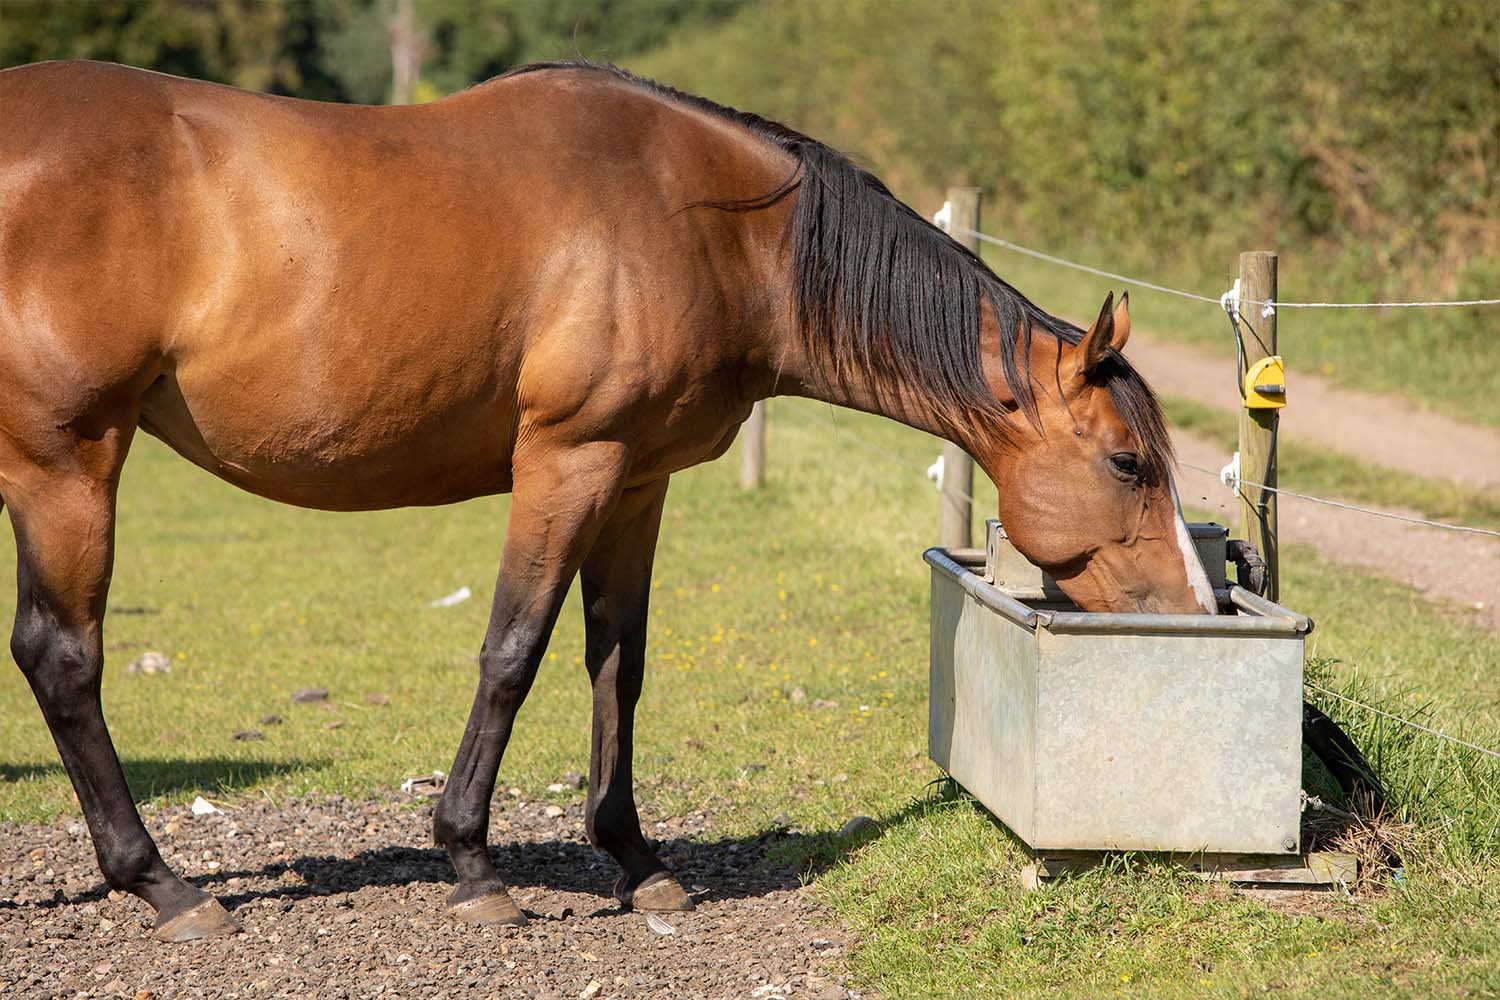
(1197, 579)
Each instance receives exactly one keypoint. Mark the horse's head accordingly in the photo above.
(1086, 492)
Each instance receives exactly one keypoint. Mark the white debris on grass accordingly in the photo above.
(425, 784)
(457, 597)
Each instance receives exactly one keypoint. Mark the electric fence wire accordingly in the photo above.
(1214, 300)
(1343, 506)
(1405, 722)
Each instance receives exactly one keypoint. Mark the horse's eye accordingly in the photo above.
(1126, 465)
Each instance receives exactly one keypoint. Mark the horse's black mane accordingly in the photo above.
(889, 292)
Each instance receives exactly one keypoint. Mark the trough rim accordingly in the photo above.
(1259, 616)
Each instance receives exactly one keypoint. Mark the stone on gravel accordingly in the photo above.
(554, 811)
(203, 807)
(151, 662)
(304, 696)
(858, 826)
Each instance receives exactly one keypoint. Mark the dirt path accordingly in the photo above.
(1386, 430)
(345, 899)
(1452, 567)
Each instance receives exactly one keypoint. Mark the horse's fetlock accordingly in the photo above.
(455, 828)
(127, 864)
(612, 821)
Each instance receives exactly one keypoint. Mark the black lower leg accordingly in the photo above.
(462, 819)
(63, 667)
(616, 591)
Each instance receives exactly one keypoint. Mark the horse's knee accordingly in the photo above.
(507, 670)
(60, 665)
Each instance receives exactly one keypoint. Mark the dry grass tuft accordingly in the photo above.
(1376, 838)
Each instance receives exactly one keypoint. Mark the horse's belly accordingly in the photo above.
(321, 454)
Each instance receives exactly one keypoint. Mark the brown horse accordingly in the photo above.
(567, 283)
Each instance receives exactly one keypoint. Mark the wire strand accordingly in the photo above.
(1347, 506)
(997, 241)
(1376, 305)
(1405, 722)
(1215, 300)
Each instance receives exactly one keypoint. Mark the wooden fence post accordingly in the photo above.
(753, 455)
(1258, 426)
(955, 509)
(405, 53)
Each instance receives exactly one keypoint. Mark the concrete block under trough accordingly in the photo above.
(1173, 733)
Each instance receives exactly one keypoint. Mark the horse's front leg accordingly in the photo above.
(559, 504)
(616, 589)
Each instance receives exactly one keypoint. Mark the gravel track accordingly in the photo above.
(345, 899)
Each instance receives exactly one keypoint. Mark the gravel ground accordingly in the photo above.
(345, 899)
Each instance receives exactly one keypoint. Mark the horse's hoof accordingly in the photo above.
(659, 892)
(491, 909)
(206, 919)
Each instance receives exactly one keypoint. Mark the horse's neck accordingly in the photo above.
(806, 371)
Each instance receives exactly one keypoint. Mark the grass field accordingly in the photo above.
(812, 591)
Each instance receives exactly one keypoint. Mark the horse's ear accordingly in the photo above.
(1095, 344)
(1122, 323)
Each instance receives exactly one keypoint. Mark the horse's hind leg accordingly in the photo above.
(616, 590)
(62, 504)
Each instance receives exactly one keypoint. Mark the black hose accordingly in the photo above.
(1343, 759)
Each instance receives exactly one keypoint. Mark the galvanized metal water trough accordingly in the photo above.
(1087, 733)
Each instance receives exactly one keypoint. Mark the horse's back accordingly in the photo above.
(340, 306)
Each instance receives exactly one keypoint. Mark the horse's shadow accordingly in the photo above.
(172, 777)
(773, 860)
(734, 868)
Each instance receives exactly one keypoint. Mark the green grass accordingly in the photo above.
(1440, 358)
(813, 584)
(1319, 472)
